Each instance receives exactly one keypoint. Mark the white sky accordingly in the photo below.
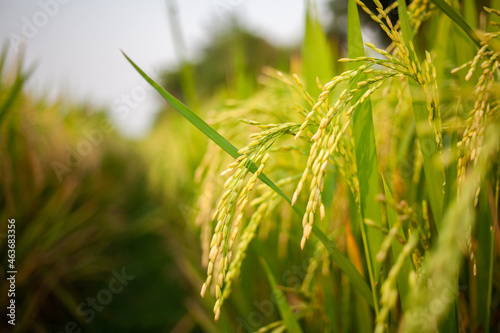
(76, 43)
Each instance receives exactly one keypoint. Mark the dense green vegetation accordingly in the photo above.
(339, 189)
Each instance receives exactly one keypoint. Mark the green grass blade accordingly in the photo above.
(397, 248)
(346, 266)
(465, 49)
(484, 254)
(316, 55)
(242, 81)
(283, 307)
(454, 16)
(332, 306)
(192, 117)
(441, 48)
(366, 155)
(363, 316)
(433, 164)
(15, 91)
(470, 13)
(340, 258)
(404, 21)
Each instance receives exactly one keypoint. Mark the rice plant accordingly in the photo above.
(390, 168)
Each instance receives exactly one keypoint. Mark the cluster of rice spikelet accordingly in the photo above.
(229, 212)
(334, 121)
(264, 204)
(331, 129)
(208, 179)
(489, 60)
(470, 146)
(388, 290)
(409, 65)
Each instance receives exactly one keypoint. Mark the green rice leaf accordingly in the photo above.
(332, 306)
(397, 248)
(470, 13)
(316, 55)
(433, 163)
(15, 90)
(404, 21)
(485, 257)
(345, 265)
(283, 307)
(366, 154)
(455, 17)
(192, 117)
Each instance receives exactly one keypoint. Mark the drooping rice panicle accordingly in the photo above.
(389, 294)
(471, 144)
(232, 204)
(331, 130)
(266, 205)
